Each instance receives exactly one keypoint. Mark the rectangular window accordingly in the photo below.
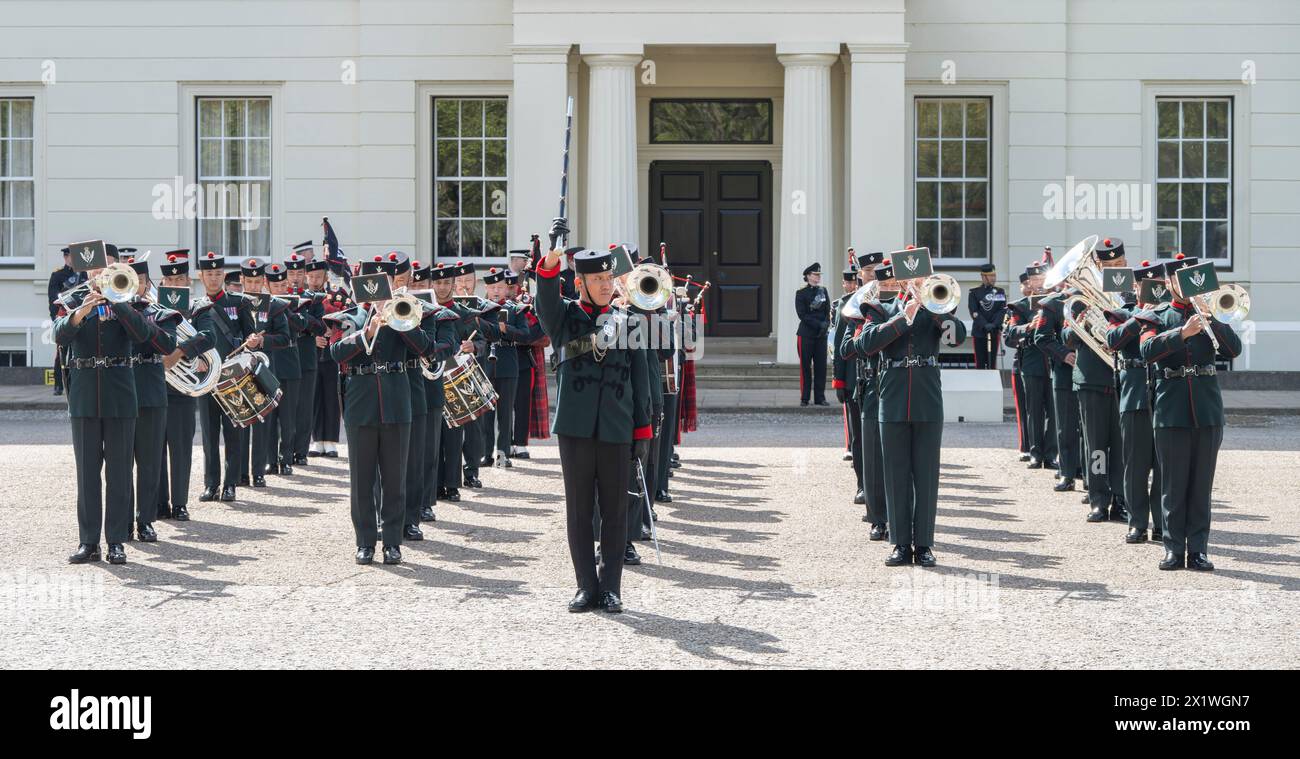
(17, 179)
(469, 185)
(1194, 177)
(951, 177)
(697, 121)
(234, 160)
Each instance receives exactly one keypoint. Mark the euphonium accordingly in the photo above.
(1080, 270)
(184, 376)
(852, 307)
(649, 287)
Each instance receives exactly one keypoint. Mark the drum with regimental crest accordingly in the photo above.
(247, 389)
(467, 391)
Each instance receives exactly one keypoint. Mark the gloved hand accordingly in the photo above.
(559, 228)
(839, 394)
(640, 449)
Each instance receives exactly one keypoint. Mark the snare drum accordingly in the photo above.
(467, 391)
(247, 389)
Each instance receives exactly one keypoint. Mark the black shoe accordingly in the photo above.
(85, 552)
(899, 556)
(273, 469)
(181, 514)
(426, 514)
(523, 455)
(611, 603)
(164, 512)
(675, 457)
(259, 481)
(925, 557)
(503, 461)
(392, 555)
(300, 459)
(209, 494)
(452, 495)
(803, 403)
(442, 492)
(58, 391)
(822, 403)
(630, 557)
(486, 462)
(473, 482)
(1199, 562)
(331, 454)
(663, 497)
(286, 470)
(1064, 485)
(582, 601)
(365, 555)
(646, 534)
(1098, 514)
(1157, 536)
(1135, 536)
(1118, 513)
(860, 498)
(244, 481)
(674, 464)
(146, 533)
(412, 532)
(1049, 464)
(1171, 560)
(228, 493)
(314, 454)
(848, 456)
(878, 531)
(1035, 463)
(116, 553)
(1024, 457)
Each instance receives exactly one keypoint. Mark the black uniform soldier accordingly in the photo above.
(457, 441)
(444, 475)
(440, 323)
(1047, 336)
(517, 279)
(1035, 372)
(310, 307)
(602, 414)
(102, 408)
(812, 305)
(866, 398)
(844, 376)
(506, 328)
(224, 319)
(473, 448)
(268, 316)
(986, 304)
(178, 449)
(377, 416)
(282, 426)
(235, 286)
(61, 280)
(1136, 432)
(328, 414)
(1018, 382)
(907, 337)
(1188, 417)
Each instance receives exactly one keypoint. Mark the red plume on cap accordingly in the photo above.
(211, 254)
(492, 270)
(439, 266)
(379, 258)
(886, 262)
(252, 262)
(392, 256)
(1106, 242)
(171, 259)
(1146, 263)
(275, 267)
(1179, 256)
(294, 257)
(460, 263)
(911, 247)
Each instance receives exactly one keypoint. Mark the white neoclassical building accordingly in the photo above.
(752, 136)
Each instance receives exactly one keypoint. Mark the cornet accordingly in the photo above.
(117, 282)
(938, 294)
(402, 312)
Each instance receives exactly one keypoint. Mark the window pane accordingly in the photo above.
(20, 158)
(496, 238)
(448, 239)
(24, 238)
(1168, 163)
(210, 234)
(1167, 115)
(927, 118)
(209, 117)
(20, 120)
(259, 158)
(1166, 240)
(471, 238)
(1216, 159)
(1193, 119)
(1191, 239)
(927, 235)
(259, 239)
(1193, 200)
(233, 125)
(471, 199)
(5, 207)
(1216, 201)
(448, 159)
(235, 245)
(1167, 200)
(4, 118)
(4, 158)
(259, 119)
(471, 158)
(448, 200)
(209, 158)
(950, 121)
(471, 118)
(977, 118)
(5, 231)
(951, 200)
(927, 158)
(927, 200)
(976, 201)
(977, 239)
(447, 115)
(951, 158)
(1194, 159)
(1216, 114)
(495, 200)
(495, 158)
(950, 245)
(21, 195)
(259, 199)
(494, 112)
(1216, 239)
(711, 121)
(977, 158)
(233, 166)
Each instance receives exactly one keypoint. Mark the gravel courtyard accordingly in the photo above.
(765, 564)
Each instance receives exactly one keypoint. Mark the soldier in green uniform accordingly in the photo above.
(907, 338)
(440, 321)
(282, 425)
(1188, 417)
(840, 382)
(268, 316)
(1141, 470)
(602, 416)
(505, 328)
(1094, 381)
(871, 267)
(311, 308)
(102, 406)
(1017, 382)
(377, 417)
(454, 439)
(1047, 337)
(472, 448)
(178, 447)
(1035, 371)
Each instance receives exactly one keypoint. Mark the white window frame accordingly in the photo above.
(20, 267)
(424, 157)
(1239, 161)
(189, 93)
(999, 127)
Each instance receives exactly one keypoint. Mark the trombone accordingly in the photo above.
(938, 294)
(1229, 304)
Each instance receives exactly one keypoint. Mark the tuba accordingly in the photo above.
(1080, 270)
(649, 287)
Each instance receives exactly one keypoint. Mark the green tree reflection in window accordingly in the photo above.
(735, 121)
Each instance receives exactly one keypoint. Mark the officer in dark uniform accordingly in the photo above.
(1035, 371)
(1141, 469)
(1188, 417)
(907, 337)
(812, 305)
(602, 419)
(1047, 336)
(102, 406)
(268, 316)
(844, 376)
(505, 328)
(986, 303)
(224, 318)
(235, 286)
(61, 280)
(178, 448)
(377, 416)
(310, 307)
(282, 425)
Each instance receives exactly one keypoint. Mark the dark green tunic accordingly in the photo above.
(907, 393)
(107, 332)
(1192, 401)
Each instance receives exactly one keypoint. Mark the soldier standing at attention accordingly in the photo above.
(1018, 382)
(844, 376)
(178, 450)
(813, 306)
(1035, 371)
(602, 417)
(60, 280)
(987, 303)
(282, 425)
(871, 267)
(1047, 336)
(312, 311)
(265, 315)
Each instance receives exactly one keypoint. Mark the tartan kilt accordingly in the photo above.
(539, 412)
(687, 412)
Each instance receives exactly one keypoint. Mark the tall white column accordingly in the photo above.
(877, 144)
(541, 90)
(805, 202)
(611, 190)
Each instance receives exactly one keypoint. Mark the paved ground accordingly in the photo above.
(765, 564)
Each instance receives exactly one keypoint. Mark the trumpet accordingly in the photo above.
(117, 282)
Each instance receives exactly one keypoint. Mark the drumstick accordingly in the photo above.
(244, 345)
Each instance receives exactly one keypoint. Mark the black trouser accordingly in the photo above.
(104, 445)
(638, 513)
(282, 425)
(853, 418)
(1040, 417)
(986, 348)
(217, 429)
(473, 448)
(1104, 460)
(523, 406)
(378, 449)
(1070, 458)
(303, 421)
(667, 441)
(911, 456)
(433, 427)
(261, 446)
(873, 465)
(1018, 396)
(504, 416)
(1143, 498)
(592, 467)
(651, 465)
(812, 368)
(58, 367)
(178, 452)
(150, 434)
(453, 441)
(326, 402)
(416, 467)
(1188, 457)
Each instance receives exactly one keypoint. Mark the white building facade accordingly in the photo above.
(753, 137)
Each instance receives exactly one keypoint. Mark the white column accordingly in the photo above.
(612, 210)
(876, 148)
(805, 201)
(541, 90)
